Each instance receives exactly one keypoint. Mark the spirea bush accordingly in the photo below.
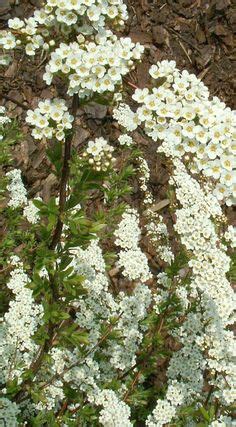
(78, 347)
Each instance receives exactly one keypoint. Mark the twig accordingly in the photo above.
(20, 104)
(35, 365)
(211, 389)
(64, 179)
(20, 397)
(102, 339)
(181, 37)
(142, 364)
(203, 73)
(162, 7)
(185, 51)
(131, 85)
(135, 380)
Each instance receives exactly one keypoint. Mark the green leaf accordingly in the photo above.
(54, 154)
(205, 414)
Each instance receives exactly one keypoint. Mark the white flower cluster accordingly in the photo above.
(31, 212)
(180, 114)
(19, 324)
(131, 309)
(131, 258)
(93, 67)
(188, 364)
(223, 421)
(50, 119)
(144, 172)
(161, 415)
(3, 117)
(134, 309)
(207, 344)
(230, 236)
(205, 332)
(4, 121)
(159, 236)
(18, 197)
(94, 12)
(83, 377)
(100, 154)
(96, 308)
(16, 188)
(165, 410)
(53, 394)
(126, 117)
(185, 376)
(8, 413)
(125, 139)
(115, 413)
(61, 17)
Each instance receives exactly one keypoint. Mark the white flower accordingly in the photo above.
(7, 40)
(115, 413)
(125, 140)
(228, 162)
(15, 23)
(93, 13)
(140, 95)
(131, 259)
(227, 178)
(125, 117)
(221, 191)
(230, 235)
(31, 212)
(100, 154)
(51, 118)
(18, 194)
(161, 415)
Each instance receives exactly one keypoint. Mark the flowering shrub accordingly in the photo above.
(192, 127)
(93, 330)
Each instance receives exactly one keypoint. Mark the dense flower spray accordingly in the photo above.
(78, 347)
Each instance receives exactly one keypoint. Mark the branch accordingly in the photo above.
(90, 351)
(141, 365)
(64, 179)
(35, 365)
(23, 395)
(131, 84)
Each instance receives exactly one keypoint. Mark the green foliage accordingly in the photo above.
(232, 271)
(10, 136)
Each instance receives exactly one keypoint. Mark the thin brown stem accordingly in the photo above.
(211, 390)
(20, 397)
(35, 365)
(102, 339)
(141, 365)
(64, 180)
